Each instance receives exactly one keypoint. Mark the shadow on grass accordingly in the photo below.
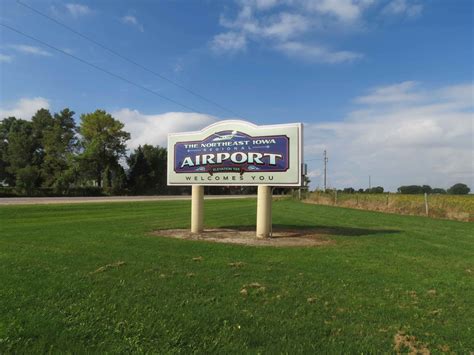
(321, 230)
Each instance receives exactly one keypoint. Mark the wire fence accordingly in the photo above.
(454, 207)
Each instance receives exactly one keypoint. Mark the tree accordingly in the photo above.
(375, 190)
(27, 179)
(438, 190)
(459, 189)
(103, 142)
(42, 121)
(6, 176)
(348, 190)
(426, 189)
(157, 160)
(35, 153)
(119, 181)
(148, 169)
(410, 189)
(139, 173)
(23, 152)
(59, 143)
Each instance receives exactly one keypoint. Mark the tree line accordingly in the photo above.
(456, 189)
(51, 155)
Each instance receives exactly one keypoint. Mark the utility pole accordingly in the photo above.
(370, 184)
(325, 169)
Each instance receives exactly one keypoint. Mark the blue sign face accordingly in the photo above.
(232, 152)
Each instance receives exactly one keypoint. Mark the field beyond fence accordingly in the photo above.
(456, 207)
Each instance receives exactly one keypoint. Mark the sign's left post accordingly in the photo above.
(197, 209)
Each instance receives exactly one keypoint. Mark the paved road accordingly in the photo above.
(56, 200)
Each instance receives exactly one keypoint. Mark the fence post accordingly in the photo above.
(426, 204)
(335, 197)
(388, 196)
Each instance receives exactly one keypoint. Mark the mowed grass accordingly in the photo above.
(90, 278)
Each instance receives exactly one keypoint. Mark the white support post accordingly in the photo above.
(197, 209)
(264, 211)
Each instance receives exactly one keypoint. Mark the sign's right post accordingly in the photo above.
(264, 211)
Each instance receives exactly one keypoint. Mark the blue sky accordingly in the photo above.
(382, 85)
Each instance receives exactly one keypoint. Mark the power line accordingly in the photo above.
(126, 58)
(100, 68)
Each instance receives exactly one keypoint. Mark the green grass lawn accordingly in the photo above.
(384, 275)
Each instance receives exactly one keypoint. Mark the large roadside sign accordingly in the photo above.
(236, 153)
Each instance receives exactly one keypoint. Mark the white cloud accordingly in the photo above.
(316, 53)
(153, 129)
(291, 26)
(23, 48)
(281, 26)
(277, 27)
(462, 94)
(402, 7)
(342, 10)
(397, 93)
(264, 4)
(285, 25)
(77, 10)
(132, 20)
(5, 58)
(418, 136)
(229, 42)
(24, 108)
(345, 10)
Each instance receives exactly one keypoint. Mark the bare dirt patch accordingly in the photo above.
(279, 238)
(409, 344)
(255, 286)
